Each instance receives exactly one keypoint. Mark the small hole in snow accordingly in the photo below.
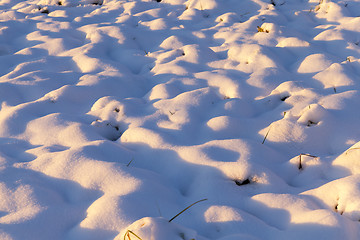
(311, 123)
(97, 3)
(45, 11)
(242, 182)
(284, 98)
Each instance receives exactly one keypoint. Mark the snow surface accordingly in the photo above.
(118, 114)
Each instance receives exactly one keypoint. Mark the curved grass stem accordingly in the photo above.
(187, 209)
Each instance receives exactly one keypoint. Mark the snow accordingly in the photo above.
(116, 115)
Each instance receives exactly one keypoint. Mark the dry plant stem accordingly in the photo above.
(266, 134)
(300, 167)
(306, 154)
(187, 209)
(128, 235)
(130, 162)
(350, 150)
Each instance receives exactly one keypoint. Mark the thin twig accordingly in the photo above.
(350, 149)
(187, 209)
(300, 167)
(130, 162)
(128, 235)
(306, 154)
(266, 134)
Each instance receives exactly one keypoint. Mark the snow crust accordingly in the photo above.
(116, 115)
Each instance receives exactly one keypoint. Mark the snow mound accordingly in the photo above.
(157, 228)
(340, 196)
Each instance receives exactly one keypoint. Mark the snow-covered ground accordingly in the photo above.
(118, 114)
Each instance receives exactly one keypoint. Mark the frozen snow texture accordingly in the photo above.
(116, 115)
